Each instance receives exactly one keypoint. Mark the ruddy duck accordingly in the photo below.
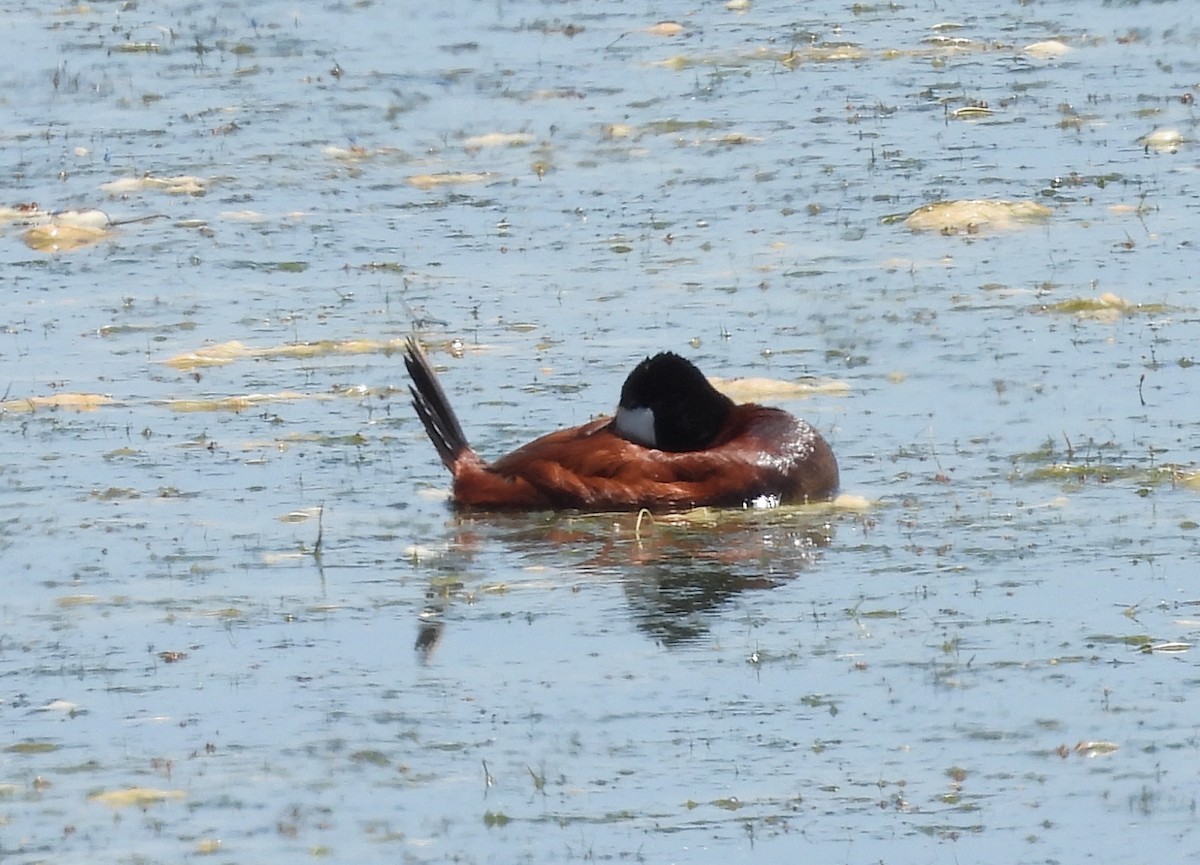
(675, 442)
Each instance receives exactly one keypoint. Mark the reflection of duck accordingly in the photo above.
(675, 597)
(675, 442)
(679, 574)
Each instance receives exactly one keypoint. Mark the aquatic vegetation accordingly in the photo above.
(31, 747)
(1107, 307)
(1096, 466)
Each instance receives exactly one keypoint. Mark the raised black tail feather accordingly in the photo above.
(432, 407)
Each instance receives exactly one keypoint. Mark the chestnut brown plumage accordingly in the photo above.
(675, 442)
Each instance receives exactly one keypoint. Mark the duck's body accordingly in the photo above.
(675, 443)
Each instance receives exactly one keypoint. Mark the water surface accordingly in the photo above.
(241, 622)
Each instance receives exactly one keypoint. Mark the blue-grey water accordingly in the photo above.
(240, 623)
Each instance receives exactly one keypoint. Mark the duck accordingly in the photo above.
(675, 442)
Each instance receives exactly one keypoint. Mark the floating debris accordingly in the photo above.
(24, 214)
(731, 139)
(62, 238)
(852, 503)
(139, 796)
(664, 28)
(970, 216)
(183, 184)
(76, 401)
(1171, 648)
(791, 59)
(238, 403)
(1050, 49)
(1096, 749)
(357, 154)
(1162, 141)
(66, 230)
(495, 139)
(137, 48)
(250, 217)
(67, 601)
(615, 131)
(213, 355)
(228, 352)
(836, 53)
(755, 389)
(450, 178)
(971, 112)
(300, 516)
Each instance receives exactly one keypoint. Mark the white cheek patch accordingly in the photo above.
(637, 425)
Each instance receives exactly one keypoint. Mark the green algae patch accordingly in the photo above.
(31, 746)
(495, 819)
(1106, 472)
(1106, 307)
(370, 758)
(1094, 462)
(1133, 641)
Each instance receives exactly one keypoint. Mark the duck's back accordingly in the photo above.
(793, 460)
(764, 455)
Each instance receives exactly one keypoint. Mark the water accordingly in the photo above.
(238, 600)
